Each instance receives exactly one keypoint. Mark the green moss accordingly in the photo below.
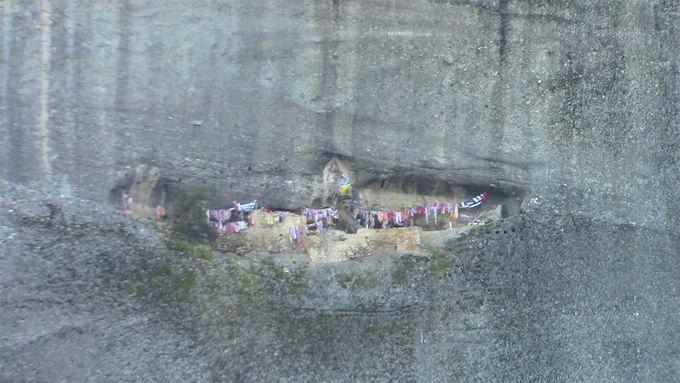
(406, 265)
(274, 268)
(398, 275)
(233, 243)
(204, 252)
(191, 249)
(438, 261)
(163, 269)
(295, 279)
(439, 266)
(249, 285)
(186, 280)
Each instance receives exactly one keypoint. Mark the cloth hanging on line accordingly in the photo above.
(316, 214)
(295, 234)
(454, 213)
(218, 215)
(244, 207)
(342, 181)
(473, 202)
(236, 227)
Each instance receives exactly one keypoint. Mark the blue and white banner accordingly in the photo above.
(245, 207)
(473, 202)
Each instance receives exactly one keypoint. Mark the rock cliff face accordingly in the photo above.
(256, 97)
(572, 106)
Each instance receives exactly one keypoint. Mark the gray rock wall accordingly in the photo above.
(90, 293)
(524, 95)
(575, 103)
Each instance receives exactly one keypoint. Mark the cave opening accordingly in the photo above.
(417, 190)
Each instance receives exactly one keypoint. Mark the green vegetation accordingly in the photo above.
(186, 280)
(232, 244)
(274, 268)
(249, 285)
(163, 274)
(438, 261)
(398, 275)
(295, 279)
(163, 269)
(162, 281)
(406, 265)
(191, 249)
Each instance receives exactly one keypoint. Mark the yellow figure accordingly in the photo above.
(345, 190)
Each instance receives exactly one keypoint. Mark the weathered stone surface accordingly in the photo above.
(536, 297)
(539, 94)
(573, 104)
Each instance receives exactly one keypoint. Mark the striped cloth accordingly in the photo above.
(473, 202)
(342, 181)
(245, 207)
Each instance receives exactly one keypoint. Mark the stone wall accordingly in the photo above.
(257, 97)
